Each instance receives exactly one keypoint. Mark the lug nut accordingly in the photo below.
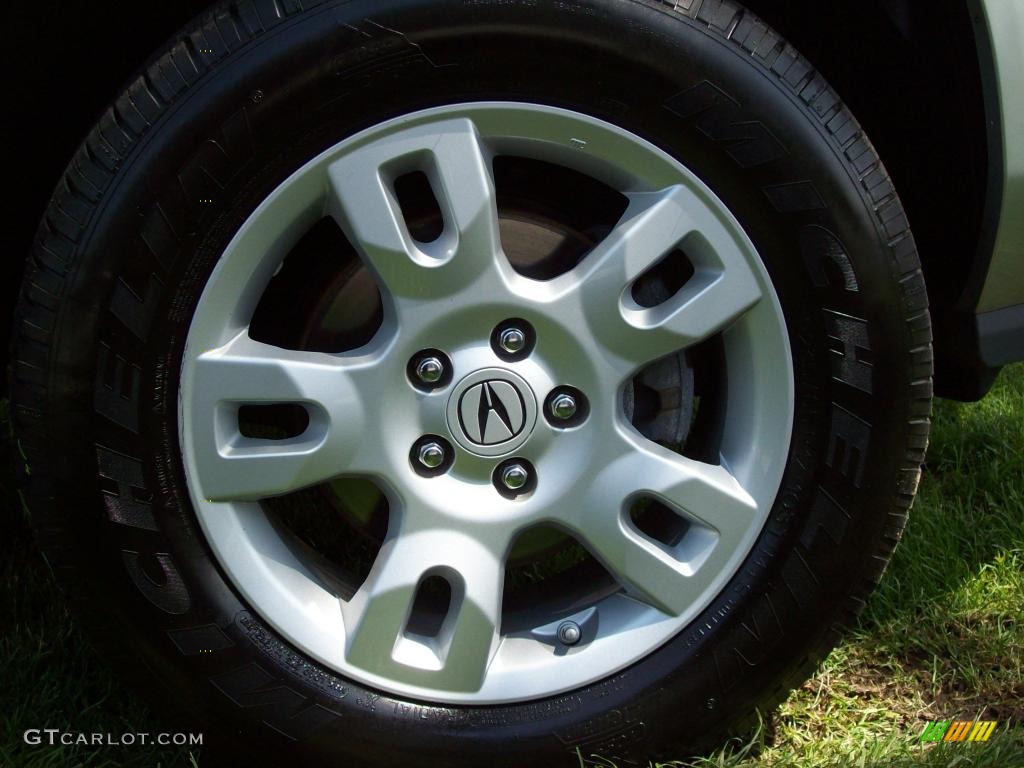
(514, 477)
(512, 340)
(569, 633)
(431, 455)
(564, 407)
(429, 370)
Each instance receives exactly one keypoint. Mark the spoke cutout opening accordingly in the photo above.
(657, 522)
(323, 299)
(430, 608)
(419, 205)
(689, 543)
(664, 280)
(551, 216)
(280, 421)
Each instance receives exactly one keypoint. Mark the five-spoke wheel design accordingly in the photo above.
(492, 401)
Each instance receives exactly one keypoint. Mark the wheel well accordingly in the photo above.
(910, 73)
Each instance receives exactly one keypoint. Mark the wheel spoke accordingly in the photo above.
(708, 496)
(646, 571)
(707, 493)
(457, 658)
(245, 372)
(365, 205)
(722, 289)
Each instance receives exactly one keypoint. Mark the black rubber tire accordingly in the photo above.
(252, 89)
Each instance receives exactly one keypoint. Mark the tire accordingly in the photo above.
(251, 91)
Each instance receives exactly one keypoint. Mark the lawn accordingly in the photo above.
(942, 638)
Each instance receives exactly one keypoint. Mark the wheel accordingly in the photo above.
(450, 383)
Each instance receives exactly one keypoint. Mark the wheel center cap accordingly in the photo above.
(492, 412)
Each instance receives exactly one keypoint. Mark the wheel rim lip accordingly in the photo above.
(237, 531)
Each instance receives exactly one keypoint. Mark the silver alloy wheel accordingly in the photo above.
(365, 414)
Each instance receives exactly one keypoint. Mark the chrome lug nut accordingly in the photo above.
(514, 477)
(431, 455)
(569, 633)
(429, 370)
(564, 407)
(512, 340)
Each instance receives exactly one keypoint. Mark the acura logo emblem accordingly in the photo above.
(492, 412)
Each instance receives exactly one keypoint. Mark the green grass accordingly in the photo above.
(942, 638)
